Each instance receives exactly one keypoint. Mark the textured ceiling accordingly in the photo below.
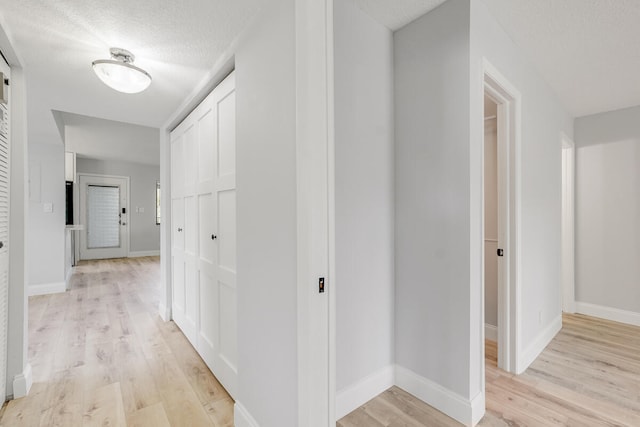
(177, 42)
(588, 51)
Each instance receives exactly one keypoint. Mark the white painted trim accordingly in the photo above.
(490, 332)
(539, 344)
(139, 254)
(568, 225)
(478, 408)
(164, 311)
(47, 288)
(509, 101)
(352, 397)
(314, 146)
(67, 280)
(444, 400)
(242, 417)
(22, 382)
(608, 313)
(82, 220)
(166, 284)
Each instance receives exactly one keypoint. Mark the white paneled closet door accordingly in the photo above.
(4, 232)
(182, 258)
(204, 231)
(217, 341)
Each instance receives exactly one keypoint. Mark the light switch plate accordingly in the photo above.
(47, 207)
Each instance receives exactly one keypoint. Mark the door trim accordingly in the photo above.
(568, 224)
(82, 220)
(315, 168)
(509, 101)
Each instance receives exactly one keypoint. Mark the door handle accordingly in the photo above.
(213, 237)
(179, 230)
(1, 245)
(500, 252)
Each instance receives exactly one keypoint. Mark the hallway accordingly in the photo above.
(101, 355)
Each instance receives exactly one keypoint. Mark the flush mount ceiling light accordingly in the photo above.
(120, 74)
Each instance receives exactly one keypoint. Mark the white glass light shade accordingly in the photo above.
(121, 76)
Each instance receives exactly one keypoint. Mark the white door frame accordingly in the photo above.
(315, 213)
(508, 98)
(81, 209)
(568, 224)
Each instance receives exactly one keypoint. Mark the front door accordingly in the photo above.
(104, 215)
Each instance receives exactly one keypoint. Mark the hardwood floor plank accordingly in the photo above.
(151, 416)
(103, 407)
(102, 356)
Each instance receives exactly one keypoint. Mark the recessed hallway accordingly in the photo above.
(102, 356)
(588, 376)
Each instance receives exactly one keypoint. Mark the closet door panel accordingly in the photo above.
(190, 159)
(227, 135)
(206, 145)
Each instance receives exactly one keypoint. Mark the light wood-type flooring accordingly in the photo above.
(101, 356)
(588, 376)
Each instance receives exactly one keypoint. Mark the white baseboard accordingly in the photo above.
(139, 254)
(539, 344)
(608, 313)
(242, 417)
(490, 332)
(457, 407)
(22, 383)
(165, 312)
(47, 288)
(354, 396)
(478, 408)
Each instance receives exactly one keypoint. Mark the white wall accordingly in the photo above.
(364, 195)
(46, 232)
(608, 210)
(490, 221)
(439, 129)
(144, 233)
(266, 215)
(432, 197)
(543, 121)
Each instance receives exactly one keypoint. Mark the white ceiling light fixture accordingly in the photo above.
(120, 74)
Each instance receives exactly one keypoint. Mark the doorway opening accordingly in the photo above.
(491, 248)
(501, 219)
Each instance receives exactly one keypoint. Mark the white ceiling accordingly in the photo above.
(177, 42)
(588, 51)
(94, 138)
